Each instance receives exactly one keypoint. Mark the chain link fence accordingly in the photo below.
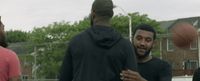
(39, 61)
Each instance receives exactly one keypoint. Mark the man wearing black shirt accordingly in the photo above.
(150, 68)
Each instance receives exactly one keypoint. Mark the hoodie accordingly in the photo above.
(97, 54)
(104, 37)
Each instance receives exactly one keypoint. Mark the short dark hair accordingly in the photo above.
(146, 27)
(103, 8)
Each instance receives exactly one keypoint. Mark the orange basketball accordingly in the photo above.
(183, 34)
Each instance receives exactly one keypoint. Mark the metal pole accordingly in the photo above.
(130, 22)
(35, 64)
(198, 45)
(130, 28)
(34, 67)
(161, 48)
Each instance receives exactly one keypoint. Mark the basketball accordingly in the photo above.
(183, 34)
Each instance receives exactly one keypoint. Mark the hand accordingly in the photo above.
(129, 75)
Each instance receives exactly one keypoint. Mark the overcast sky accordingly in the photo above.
(26, 14)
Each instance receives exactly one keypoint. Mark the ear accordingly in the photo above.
(92, 14)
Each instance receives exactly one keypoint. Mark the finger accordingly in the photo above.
(132, 72)
(129, 76)
(125, 72)
(123, 76)
(129, 72)
(125, 79)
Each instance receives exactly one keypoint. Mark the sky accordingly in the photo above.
(24, 15)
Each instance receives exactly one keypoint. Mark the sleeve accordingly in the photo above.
(166, 72)
(66, 68)
(131, 61)
(196, 75)
(14, 65)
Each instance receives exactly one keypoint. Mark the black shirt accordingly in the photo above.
(155, 70)
(196, 76)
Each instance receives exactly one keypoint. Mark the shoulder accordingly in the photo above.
(79, 36)
(158, 60)
(8, 54)
(78, 39)
(125, 45)
(161, 62)
(7, 51)
(124, 42)
(164, 68)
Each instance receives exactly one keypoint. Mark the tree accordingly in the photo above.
(14, 36)
(50, 46)
(121, 22)
(51, 41)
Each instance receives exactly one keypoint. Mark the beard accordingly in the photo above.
(3, 40)
(144, 55)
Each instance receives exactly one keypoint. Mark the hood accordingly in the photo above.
(104, 36)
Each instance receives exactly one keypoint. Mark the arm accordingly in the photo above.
(14, 68)
(128, 75)
(66, 68)
(131, 61)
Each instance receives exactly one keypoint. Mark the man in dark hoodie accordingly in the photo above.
(99, 53)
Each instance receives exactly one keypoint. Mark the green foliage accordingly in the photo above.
(49, 59)
(14, 36)
(83, 24)
(52, 40)
(121, 22)
(53, 32)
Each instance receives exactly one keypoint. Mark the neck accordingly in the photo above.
(99, 21)
(145, 59)
(102, 23)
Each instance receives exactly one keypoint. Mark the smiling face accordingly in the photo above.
(143, 42)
